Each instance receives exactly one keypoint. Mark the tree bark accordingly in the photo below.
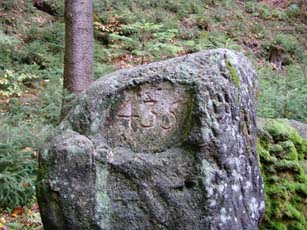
(79, 42)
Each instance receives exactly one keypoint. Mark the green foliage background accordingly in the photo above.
(133, 32)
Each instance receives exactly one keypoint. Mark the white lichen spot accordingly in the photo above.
(235, 188)
(207, 172)
(233, 132)
(209, 191)
(249, 169)
(214, 58)
(262, 205)
(241, 151)
(236, 176)
(215, 124)
(223, 216)
(77, 109)
(248, 185)
(110, 155)
(212, 203)
(95, 124)
(253, 207)
(221, 188)
(206, 133)
(223, 219)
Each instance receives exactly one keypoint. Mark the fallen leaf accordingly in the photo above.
(26, 185)
(18, 211)
(27, 149)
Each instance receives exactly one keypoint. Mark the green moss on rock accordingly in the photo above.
(280, 131)
(263, 153)
(275, 149)
(281, 153)
(290, 150)
(300, 144)
(278, 226)
(233, 74)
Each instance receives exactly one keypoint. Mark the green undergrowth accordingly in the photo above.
(282, 161)
(283, 93)
(24, 125)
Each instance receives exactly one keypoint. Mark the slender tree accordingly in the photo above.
(79, 42)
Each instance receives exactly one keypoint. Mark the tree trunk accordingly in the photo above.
(79, 42)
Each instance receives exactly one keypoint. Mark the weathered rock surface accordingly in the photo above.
(169, 145)
(300, 127)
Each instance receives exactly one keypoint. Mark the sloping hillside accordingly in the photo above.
(272, 33)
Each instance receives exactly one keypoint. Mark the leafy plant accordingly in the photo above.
(44, 47)
(23, 128)
(288, 42)
(17, 176)
(12, 83)
(7, 40)
(293, 10)
(209, 40)
(17, 166)
(181, 7)
(289, 45)
(283, 95)
(7, 49)
(8, 4)
(264, 11)
(147, 40)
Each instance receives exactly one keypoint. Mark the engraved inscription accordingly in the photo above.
(148, 113)
(152, 117)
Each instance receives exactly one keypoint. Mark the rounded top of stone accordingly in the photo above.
(149, 108)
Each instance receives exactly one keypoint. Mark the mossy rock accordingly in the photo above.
(276, 148)
(290, 150)
(279, 130)
(282, 151)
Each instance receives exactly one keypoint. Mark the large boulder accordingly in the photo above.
(169, 145)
